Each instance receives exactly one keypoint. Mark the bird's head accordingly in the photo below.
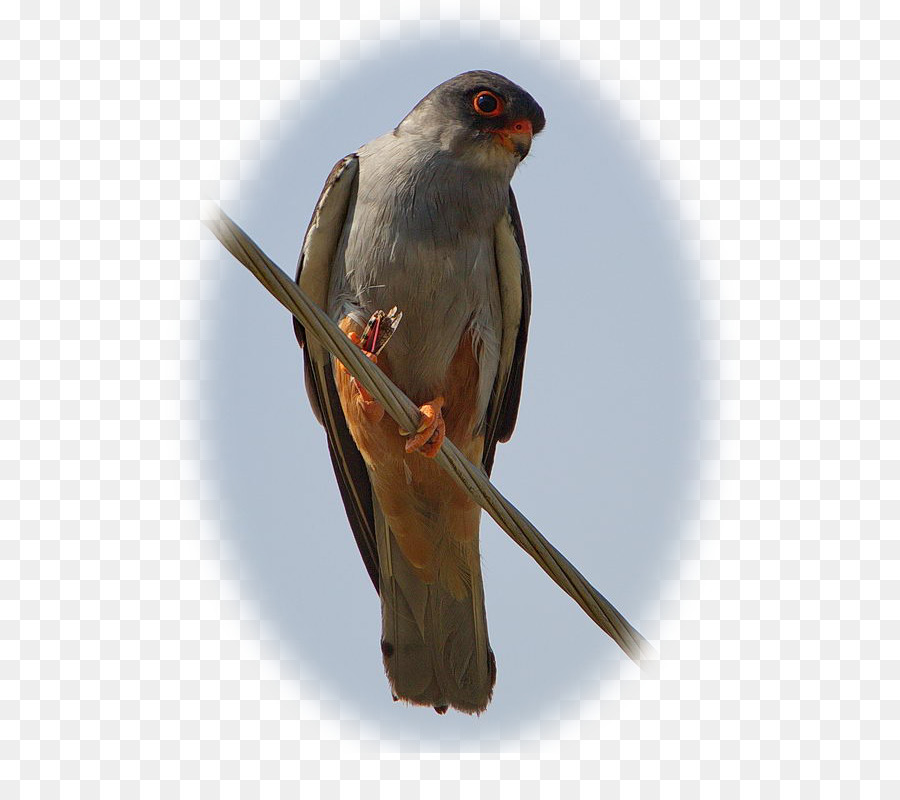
(479, 116)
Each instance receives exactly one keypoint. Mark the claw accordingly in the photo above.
(429, 436)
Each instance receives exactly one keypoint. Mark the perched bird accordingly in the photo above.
(423, 218)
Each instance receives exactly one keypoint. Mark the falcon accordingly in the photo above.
(423, 220)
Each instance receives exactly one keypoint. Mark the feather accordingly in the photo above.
(313, 273)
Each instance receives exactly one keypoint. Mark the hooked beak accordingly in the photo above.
(516, 137)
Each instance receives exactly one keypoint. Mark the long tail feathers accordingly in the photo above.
(434, 634)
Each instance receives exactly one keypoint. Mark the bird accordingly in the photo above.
(423, 219)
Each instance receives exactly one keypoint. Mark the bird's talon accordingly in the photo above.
(429, 436)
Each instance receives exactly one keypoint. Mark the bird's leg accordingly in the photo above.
(371, 409)
(429, 436)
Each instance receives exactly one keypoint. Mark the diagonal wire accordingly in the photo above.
(405, 413)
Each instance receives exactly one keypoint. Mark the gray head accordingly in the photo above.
(479, 116)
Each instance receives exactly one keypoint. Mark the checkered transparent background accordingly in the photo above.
(131, 664)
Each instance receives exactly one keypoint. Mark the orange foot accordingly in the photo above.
(371, 409)
(430, 434)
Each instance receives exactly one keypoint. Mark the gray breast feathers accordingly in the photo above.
(420, 235)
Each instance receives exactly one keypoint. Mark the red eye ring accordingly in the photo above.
(487, 104)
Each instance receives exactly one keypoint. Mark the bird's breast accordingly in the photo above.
(422, 240)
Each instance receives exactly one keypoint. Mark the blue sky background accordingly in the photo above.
(605, 453)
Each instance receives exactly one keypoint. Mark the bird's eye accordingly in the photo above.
(488, 104)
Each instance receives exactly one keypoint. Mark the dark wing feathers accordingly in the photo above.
(353, 479)
(319, 246)
(346, 168)
(503, 411)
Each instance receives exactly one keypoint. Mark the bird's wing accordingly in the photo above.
(314, 276)
(515, 299)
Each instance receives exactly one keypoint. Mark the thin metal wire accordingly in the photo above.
(405, 413)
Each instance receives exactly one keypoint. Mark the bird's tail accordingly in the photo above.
(434, 627)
